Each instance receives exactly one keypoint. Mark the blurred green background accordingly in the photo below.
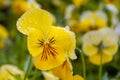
(15, 51)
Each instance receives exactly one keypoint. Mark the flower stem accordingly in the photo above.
(28, 67)
(100, 68)
(83, 62)
(35, 74)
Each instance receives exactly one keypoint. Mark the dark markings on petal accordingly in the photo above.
(52, 40)
(41, 42)
(48, 51)
(63, 65)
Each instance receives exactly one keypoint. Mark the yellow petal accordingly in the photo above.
(92, 37)
(109, 37)
(101, 15)
(89, 49)
(85, 25)
(64, 39)
(63, 71)
(111, 50)
(34, 39)
(34, 19)
(77, 77)
(95, 59)
(100, 23)
(49, 76)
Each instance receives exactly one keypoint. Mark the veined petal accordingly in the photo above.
(111, 50)
(63, 71)
(34, 19)
(95, 59)
(90, 49)
(50, 60)
(35, 41)
(64, 39)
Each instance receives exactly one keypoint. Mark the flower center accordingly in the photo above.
(48, 50)
(46, 46)
(101, 47)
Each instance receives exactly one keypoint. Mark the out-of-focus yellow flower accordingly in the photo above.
(78, 3)
(110, 1)
(58, 3)
(7, 72)
(74, 25)
(69, 12)
(77, 77)
(113, 2)
(4, 3)
(93, 20)
(3, 36)
(113, 14)
(49, 76)
(20, 6)
(72, 18)
(103, 42)
(49, 45)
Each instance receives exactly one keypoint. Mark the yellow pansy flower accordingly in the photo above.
(3, 36)
(103, 42)
(20, 6)
(49, 45)
(92, 20)
(4, 3)
(7, 71)
(50, 50)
